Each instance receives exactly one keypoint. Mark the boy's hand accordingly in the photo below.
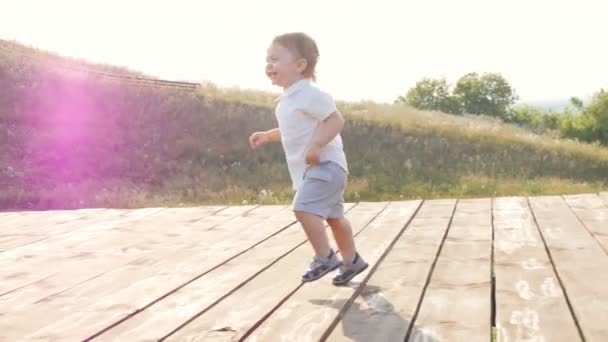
(257, 139)
(313, 156)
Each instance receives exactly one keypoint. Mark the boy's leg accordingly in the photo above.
(319, 191)
(353, 263)
(343, 234)
(315, 231)
(325, 259)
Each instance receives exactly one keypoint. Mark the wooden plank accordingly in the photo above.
(388, 300)
(581, 264)
(29, 217)
(530, 304)
(267, 289)
(592, 212)
(149, 248)
(28, 220)
(27, 228)
(116, 295)
(96, 250)
(457, 302)
(42, 229)
(6, 218)
(84, 235)
(40, 259)
(14, 263)
(61, 224)
(308, 313)
(168, 314)
(240, 312)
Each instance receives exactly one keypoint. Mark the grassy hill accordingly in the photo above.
(70, 140)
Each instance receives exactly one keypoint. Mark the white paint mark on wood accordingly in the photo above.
(523, 290)
(532, 264)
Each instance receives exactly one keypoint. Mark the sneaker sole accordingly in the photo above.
(321, 275)
(345, 281)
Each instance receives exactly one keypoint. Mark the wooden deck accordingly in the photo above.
(530, 268)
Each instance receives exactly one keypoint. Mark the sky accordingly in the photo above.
(370, 50)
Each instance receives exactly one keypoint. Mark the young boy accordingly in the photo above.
(309, 130)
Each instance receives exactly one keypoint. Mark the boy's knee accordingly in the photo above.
(303, 215)
(332, 221)
(336, 222)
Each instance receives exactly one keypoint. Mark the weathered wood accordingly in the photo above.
(530, 304)
(127, 275)
(65, 261)
(387, 303)
(308, 313)
(32, 222)
(239, 312)
(580, 263)
(128, 289)
(97, 250)
(31, 219)
(5, 215)
(40, 230)
(593, 213)
(457, 302)
(27, 264)
(23, 264)
(162, 318)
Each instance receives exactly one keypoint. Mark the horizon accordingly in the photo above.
(552, 51)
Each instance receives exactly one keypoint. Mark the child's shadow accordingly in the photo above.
(382, 322)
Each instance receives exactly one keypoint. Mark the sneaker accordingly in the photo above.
(320, 266)
(349, 271)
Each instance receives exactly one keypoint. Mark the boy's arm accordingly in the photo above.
(328, 129)
(273, 135)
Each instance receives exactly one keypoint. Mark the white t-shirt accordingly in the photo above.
(301, 108)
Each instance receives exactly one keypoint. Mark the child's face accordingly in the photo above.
(283, 67)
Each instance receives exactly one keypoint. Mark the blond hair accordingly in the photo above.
(303, 46)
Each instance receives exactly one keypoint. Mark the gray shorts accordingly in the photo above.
(322, 191)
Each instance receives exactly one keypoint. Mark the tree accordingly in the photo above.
(598, 113)
(592, 124)
(431, 94)
(577, 103)
(487, 94)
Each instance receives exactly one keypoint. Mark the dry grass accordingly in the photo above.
(166, 147)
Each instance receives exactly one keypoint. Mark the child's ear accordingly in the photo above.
(302, 64)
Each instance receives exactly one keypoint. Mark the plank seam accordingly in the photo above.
(268, 314)
(363, 283)
(559, 279)
(218, 211)
(26, 285)
(73, 229)
(135, 312)
(210, 306)
(26, 244)
(430, 275)
(69, 288)
(229, 219)
(585, 225)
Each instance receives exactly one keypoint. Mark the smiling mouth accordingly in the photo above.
(271, 75)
